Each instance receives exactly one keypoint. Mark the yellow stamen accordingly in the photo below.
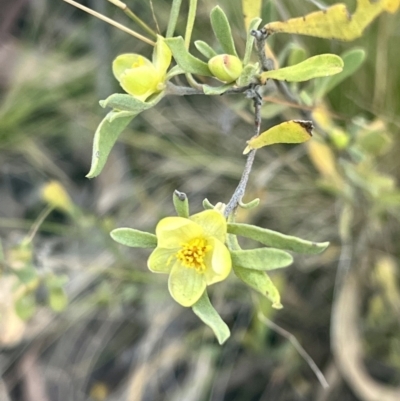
(192, 254)
(138, 63)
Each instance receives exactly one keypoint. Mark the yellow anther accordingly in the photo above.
(192, 254)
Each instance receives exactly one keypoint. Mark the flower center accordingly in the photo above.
(139, 62)
(192, 254)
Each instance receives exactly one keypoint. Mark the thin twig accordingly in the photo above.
(290, 337)
(36, 225)
(176, 90)
(111, 22)
(241, 188)
(122, 6)
(154, 16)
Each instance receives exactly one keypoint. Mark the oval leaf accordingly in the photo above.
(208, 315)
(124, 102)
(222, 30)
(205, 49)
(295, 131)
(322, 65)
(181, 204)
(325, 161)
(134, 238)
(185, 60)
(216, 90)
(352, 59)
(261, 258)
(25, 306)
(248, 75)
(261, 282)
(336, 22)
(104, 139)
(58, 299)
(276, 240)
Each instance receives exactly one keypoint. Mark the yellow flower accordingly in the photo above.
(192, 251)
(140, 77)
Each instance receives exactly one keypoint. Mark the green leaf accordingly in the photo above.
(134, 238)
(25, 306)
(181, 204)
(248, 75)
(206, 312)
(222, 30)
(261, 258)
(250, 39)
(295, 131)
(104, 139)
(185, 60)
(216, 90)
(58, 300)
(124, 102)
(114, 114)
(26, 274)
(352, 59)
(176, 70)
(276, 240)
(205, 49)
(322, 65)
(261, 282)
(297, 54)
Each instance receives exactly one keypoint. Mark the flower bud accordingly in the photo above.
(225, 67)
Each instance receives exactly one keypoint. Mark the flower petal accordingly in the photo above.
(173, 231)
(160, 260)
(140, 82)
(127, 61)
(185, 285)
(218, 262)
(213, 223)
(161, 56)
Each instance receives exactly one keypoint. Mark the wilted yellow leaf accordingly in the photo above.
(323, 159)
(295, 131)
(12, 327)
(336, 22)
(251, 10)
(386, 276)
(55, 195)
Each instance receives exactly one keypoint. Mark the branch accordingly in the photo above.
(241, 188)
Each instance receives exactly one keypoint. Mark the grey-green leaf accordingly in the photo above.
(181, 204)
(206, 312)
(58, 299)
(261, 258)
(124, 102)
(352, 59)
(205, 49)
(134, 238)
(185, 60)
(248, 74)
(261, 282)
(216, 90)
(322, 65)
(254, 23)
(104, 139)
(277, 240)
(222, 30)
